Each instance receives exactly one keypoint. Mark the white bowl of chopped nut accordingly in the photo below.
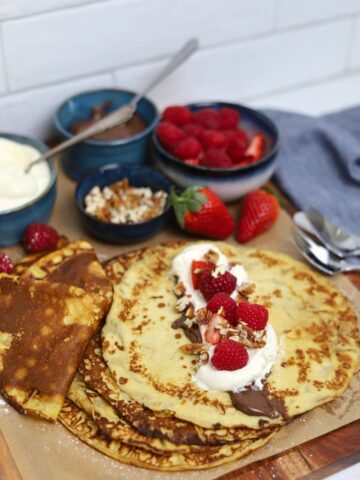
(124, 204)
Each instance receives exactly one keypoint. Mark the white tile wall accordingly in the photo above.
(16, 8)
(302, 12)
(2, 67)
(303, 55)
(355, 47)
(334, 95)
(66, 44)
(250, 68)
(31, 113)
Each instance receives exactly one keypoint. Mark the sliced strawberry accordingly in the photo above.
(256, 148)
(212, 334)
(197, 268)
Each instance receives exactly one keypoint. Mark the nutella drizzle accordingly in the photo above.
(192, 333)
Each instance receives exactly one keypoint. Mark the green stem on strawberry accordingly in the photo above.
(190, 200)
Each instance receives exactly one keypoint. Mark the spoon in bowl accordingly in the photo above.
(124, 113)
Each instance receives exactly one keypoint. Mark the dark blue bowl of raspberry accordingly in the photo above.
(226, 146)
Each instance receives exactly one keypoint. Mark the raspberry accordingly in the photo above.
(213, 139)
(230, 355)
(209, 285)
(216, 158)
(188, 148)
(177, 115)
(193, 130)
(229, 117)
(254, 315)
(169, 135)
(6, 265)
(222, 300)
(40, 237)
(208, 118)
(236, 149)
(237, 133)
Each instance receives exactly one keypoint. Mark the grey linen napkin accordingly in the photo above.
(319, 163)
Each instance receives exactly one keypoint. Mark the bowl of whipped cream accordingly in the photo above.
(24, 197)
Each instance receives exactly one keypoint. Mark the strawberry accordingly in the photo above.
(212, 334)
(177, 115)
(213, 139)
(256, 148)
(259, 212)
(193, 130)
(192, 161)
(197, 267)
(229, 355)
(229, 117)
(6, 265)
(199, 210)
(187, 148)
(210, 285)
(208, 118)
(227, 304)
(40, 237)
(169, 135)
(253, 314)
(216, 158)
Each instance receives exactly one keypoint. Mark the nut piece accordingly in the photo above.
(182, 303)
(211, 256)
(179, 289)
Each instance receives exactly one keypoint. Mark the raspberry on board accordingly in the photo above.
(40, 237)
(6, 265)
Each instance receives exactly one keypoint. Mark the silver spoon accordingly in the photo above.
(320, 257)
(124, 113)
(301, 219)
(334, 238)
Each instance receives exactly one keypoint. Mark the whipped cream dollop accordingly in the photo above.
(181, 267)
(260, 359)
(17, 187)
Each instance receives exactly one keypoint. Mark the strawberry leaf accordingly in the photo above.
(190, 200)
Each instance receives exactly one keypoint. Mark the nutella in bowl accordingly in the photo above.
(134, 126)
(18, 188)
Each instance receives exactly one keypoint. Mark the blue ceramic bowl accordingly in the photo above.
(13, 222)
(89, 155)
(138, 177)
(229, 183)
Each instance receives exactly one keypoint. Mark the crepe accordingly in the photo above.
(161, 425)
(44, 330)
(314, 323)
(81, 425)
(75, 264)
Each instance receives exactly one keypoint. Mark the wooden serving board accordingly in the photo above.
(316, 458)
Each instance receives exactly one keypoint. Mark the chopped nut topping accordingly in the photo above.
(203, 358)
(179, 289)
(251, 338)
(120, 203)
(190, 312)
(211, 256)
(203, 315)
(189, 322)
(182, 303)
(219, 270)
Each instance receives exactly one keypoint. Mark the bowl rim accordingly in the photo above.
(104, 169)
(42, 148)
(223, 171)
(104, 143)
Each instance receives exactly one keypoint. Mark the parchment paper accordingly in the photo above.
(44, 451)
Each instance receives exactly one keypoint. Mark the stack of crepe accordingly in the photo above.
(133, 397)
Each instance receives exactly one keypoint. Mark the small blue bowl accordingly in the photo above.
(13, 222)
(229, 183)
(138, 177)
(89, 155)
